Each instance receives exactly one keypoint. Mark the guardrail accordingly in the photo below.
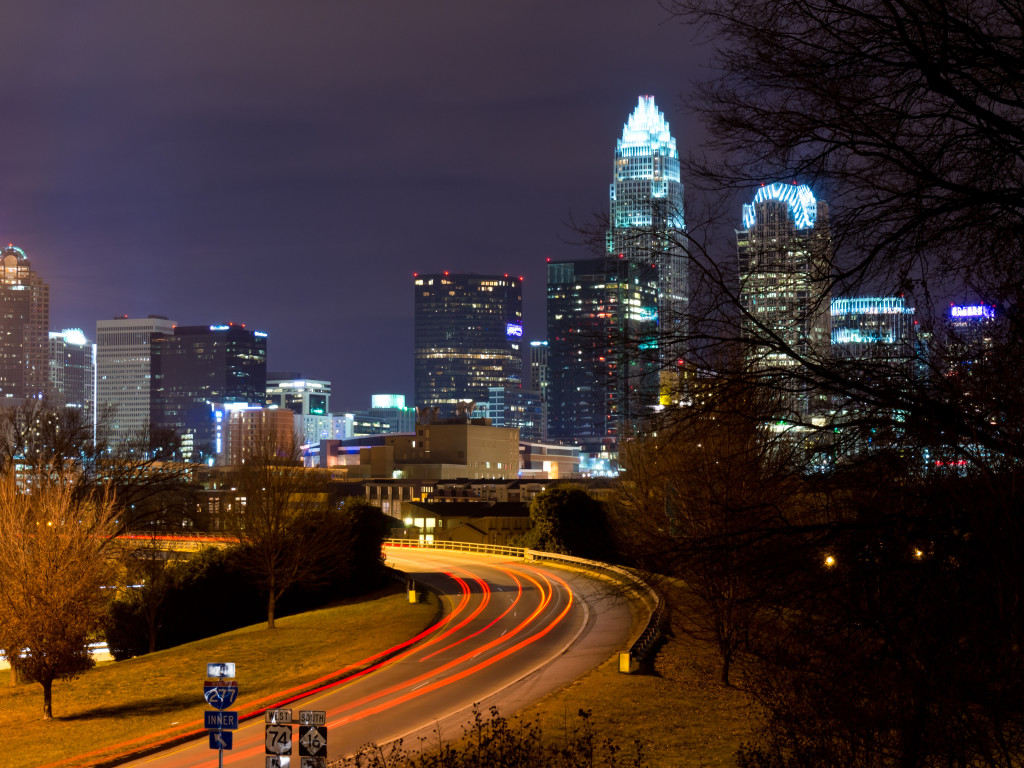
(629, 660)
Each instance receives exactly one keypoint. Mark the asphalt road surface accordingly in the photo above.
(512, 632)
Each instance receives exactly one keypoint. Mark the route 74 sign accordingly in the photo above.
(279, 739)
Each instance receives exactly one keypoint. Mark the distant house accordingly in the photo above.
(475, 522)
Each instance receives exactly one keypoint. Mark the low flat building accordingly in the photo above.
(474, 522)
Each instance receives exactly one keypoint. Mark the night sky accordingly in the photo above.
(289, 165)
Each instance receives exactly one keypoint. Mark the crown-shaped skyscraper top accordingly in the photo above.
(647, 127)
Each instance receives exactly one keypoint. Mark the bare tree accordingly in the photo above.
(55, 560)
(703, 500)
(57, 440)
(285, 526)
(893, 641)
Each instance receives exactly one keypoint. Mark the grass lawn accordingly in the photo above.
(675, 707)
(160, 695)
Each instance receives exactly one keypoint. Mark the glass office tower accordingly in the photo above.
(468, 337)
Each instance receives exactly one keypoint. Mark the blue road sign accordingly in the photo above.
(220, 694)
(227, 721)
(220, 740)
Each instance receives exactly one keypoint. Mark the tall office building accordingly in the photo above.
(785, 263)
(308, 399)
(603, 355)
(516, 407)
(537, 378)
(24, 325)
(198, 367)
(646, 215)
(124, 349)
(392, 409)
(613, 322)
(872, 328)
(469, 331)
(72, 370)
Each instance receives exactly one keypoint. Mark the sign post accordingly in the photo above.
(220, 694)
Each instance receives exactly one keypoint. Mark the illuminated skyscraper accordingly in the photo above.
(72, 370)
(646, 214)
(603, 355)
(308, 399)
(24, 328)
(872, 328)
(202, 366)
(468, 338)
(785, 262)
(124, 347)
(613, 322)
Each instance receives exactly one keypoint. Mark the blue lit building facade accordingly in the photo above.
(645, 214)
(785, 262)
(872, 328)
(614, 321)
(468, 337)
(519, 408)
(198, 367)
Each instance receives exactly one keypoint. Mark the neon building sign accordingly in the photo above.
(513, 330)
(972, 312)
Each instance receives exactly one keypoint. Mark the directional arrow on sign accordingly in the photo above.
(220, 739)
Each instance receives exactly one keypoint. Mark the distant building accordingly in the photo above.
(540, 461)
(73, 370)
(785, 263)
(538, 379)
(24, 328)
(879, 328)
(393, 410)
(603, 357)
(308, 399)
(468, 337)
(198, 366)
(516, 407)
(473, 522)
(124, 349)
(646, 219)
(255, 430)
(614, 322)
(440, 449)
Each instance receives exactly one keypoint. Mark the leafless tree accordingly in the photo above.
(704, 500)
(55, 559)
(907, 117)
(50, 439)
(284, 524)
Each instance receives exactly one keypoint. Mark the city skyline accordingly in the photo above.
(163, 163)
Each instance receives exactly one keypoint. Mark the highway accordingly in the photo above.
(511, 632)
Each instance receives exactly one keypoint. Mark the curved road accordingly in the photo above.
(511, 632)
